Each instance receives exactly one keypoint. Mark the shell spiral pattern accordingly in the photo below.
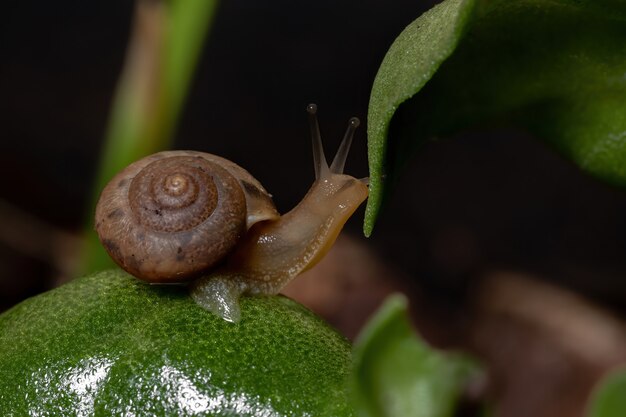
(171, 216)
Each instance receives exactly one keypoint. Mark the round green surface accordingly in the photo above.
(110, 345)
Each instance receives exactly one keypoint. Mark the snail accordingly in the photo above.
(193, 217)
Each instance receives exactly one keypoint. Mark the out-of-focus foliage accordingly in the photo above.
(397, 375)
(609, 399)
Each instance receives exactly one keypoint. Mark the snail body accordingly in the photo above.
(186, 216)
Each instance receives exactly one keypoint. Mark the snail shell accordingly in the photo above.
(173, 215)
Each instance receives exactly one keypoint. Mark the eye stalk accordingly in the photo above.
(319, 159)
(344, 148)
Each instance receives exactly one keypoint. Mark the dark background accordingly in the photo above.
(478, 208)
(470, 204)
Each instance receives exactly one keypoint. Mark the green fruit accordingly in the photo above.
(110, 345)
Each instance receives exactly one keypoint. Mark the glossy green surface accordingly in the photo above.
(396, 374)
(110, 345)
(554, 68)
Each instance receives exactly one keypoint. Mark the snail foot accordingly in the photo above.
(219, 295)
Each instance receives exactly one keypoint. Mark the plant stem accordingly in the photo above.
(164, 47)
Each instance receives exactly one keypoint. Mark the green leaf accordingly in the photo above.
(609, 398)
(554, 68)
(410, 62)
(111, 345)
(397, 375)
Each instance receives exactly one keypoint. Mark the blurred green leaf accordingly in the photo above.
(397, 375)
(553, 68)
(609, 398)
(162, 54)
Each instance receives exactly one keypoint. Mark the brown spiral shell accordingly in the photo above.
(173, 215)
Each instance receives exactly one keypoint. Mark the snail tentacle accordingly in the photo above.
(339, 162)
(319, 159)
